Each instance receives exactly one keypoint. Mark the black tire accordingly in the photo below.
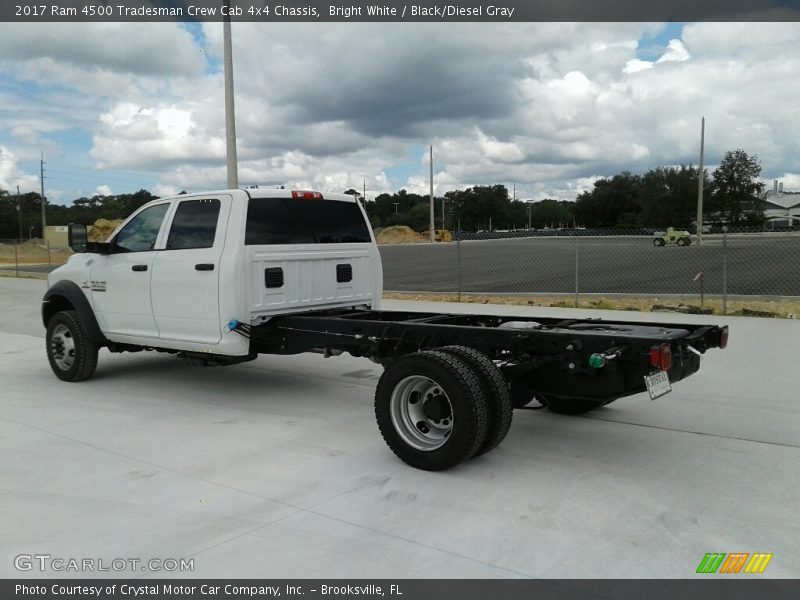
(447, 427)
(71, 352)
(495, 389)
(658, 242)
(568, 406)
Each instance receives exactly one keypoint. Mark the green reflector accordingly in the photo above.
(597, 361)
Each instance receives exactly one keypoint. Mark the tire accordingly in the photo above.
(658, 242)
(447, 427)
(569, 406)
(495, 389)
(72, 354)
(687, 241)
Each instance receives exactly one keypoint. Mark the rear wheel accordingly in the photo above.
(70, 350)
(431, 410)
(495, 389)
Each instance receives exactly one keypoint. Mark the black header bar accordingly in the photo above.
(501, 11)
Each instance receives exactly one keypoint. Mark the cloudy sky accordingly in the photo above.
(548, 107)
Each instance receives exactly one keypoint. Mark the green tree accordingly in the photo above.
(668, 196)
(738, 193)
(551, 213)
(612, 202)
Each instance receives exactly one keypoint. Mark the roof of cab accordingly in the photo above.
(260, 193)
(271, 193)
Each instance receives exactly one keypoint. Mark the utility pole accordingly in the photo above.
(433, 234)
(364, 195)
(529, 215)
(700, 183)
(443, 222)
(230, 112)
(41, 173)
(19, 214)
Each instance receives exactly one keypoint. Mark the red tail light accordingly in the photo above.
(723, 337)
(306, 195)
(661, 357)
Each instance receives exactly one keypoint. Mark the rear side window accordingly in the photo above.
(194, 225)
(304, 221)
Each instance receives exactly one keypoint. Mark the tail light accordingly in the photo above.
(661, 357)
(306, 195)
(723, 337)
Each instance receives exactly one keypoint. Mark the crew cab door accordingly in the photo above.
(120, 281)
(185, 282)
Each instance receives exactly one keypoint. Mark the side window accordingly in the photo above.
(140, 234)
(194, 225)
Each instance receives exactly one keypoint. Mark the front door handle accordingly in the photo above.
(139, 268)
(204, 267)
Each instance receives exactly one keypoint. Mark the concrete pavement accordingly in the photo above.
(275, 468)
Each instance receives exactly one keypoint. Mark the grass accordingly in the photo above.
(784, 308)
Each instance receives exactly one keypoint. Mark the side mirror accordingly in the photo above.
(77, 237)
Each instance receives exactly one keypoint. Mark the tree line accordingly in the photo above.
(661, 197)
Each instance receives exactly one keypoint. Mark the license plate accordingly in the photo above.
(657, 384)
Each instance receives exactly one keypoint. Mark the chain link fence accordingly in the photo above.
(579, 264)
(32, 257)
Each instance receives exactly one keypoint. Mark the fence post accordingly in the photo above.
(16, 262)
(49, 260)
(724, 272)
(458, 259)
(577, 264)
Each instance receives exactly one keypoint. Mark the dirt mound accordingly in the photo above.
(399, 234)
(102, 228)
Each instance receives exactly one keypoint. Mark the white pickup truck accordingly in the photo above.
(221, 277)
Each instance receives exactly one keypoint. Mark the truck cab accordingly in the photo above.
(179, 269)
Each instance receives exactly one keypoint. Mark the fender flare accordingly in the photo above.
(65, 293)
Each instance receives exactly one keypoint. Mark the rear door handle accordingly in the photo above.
(204, 267)
(139, 268)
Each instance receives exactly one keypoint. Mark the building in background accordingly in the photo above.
(782, 208)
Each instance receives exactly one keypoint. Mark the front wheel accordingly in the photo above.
(658, 242)
(431, 410)
(70, 350)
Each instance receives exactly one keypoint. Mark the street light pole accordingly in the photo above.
(19, 214)
(44, 218)
(230, 112)
(433, 235)
(700, 183)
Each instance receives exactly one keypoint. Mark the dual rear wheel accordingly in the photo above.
(438, 408)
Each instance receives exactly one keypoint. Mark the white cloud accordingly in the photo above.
(676, 52)
(545, 106)
(635, 65)
(103, 190)
(12, 176)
